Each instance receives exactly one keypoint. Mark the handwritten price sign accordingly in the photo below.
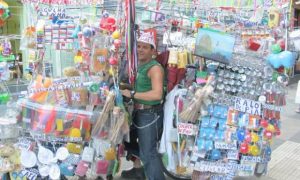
(247, 106)
(187, 129)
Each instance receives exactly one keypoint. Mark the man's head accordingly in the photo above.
(146, 47)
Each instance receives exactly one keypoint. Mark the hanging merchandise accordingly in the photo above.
(273, 18)
(58, 34)
(224, 87)
(4, 13)
(74, 121)
(6, 51)
(284, 58)
(229, 129)
(131, 37)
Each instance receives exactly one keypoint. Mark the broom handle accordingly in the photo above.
(104, 110)
(178, 136)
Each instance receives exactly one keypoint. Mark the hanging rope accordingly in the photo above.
(131, 36)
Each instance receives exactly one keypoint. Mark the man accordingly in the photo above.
(147, 115)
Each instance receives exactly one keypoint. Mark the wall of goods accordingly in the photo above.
(226, 64)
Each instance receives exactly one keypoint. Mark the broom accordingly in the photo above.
(117, 128)
(192, 112)
(108, 106)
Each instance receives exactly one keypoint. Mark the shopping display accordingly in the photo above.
(226, 65)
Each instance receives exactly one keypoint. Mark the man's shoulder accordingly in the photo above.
(156, 68)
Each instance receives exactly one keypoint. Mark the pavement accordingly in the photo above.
(285, 162)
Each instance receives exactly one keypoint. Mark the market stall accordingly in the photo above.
(226, 63)
(71, 119)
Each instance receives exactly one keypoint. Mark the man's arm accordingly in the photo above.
(156, 75)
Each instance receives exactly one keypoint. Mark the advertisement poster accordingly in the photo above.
(214, 45)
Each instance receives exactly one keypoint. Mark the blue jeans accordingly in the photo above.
(146, 132)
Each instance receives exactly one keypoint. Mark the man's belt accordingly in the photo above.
(144, 106)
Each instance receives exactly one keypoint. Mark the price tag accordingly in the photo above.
(187, 129)
(52, 11)
(254, 159)
(246, 169)
(218, 177)
(174, 38)
(233, 154)
(211, 167)
(224, 145)
(197, 154)
(272, 107)
(101, 59)
(23, 144)
(30, 174)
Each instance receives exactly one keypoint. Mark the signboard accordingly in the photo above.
(187, 129)
(224, 145)
(247, 106)
(214, 45)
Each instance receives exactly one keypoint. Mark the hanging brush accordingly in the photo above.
(192, 112)
(108, 106)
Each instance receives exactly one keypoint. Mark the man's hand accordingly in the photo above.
(126, 93)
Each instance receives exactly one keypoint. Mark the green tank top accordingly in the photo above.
(143, 82)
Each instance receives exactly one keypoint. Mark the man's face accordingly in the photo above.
(144, 51)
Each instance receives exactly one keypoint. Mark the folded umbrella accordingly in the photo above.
(162, 58)
(172, 77)
(180, 75)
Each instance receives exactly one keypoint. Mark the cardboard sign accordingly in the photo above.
(272, 107)
(52, 11)
(249, 171)
(222, 168)
(224, 145)
(247, 106)
(198, 154)
(24, 143)
(205, 166)
(173, 38)
(56, 139)
(254, 159)
(232, 172)
(30, 174)
(61, 87)
(187, 129)
(219, 177)
(233, 154)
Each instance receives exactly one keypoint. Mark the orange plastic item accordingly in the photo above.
(100, 59)
(110, 154)
(40, 97)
